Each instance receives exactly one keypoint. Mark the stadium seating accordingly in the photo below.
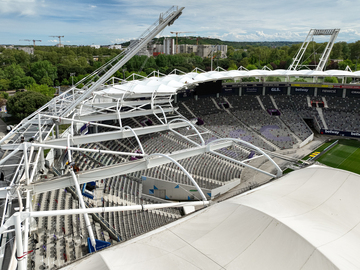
(252, 114)
(63, 239)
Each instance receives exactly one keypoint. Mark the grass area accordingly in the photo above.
(46, 151)
(288, 170)
(62, 128)
(345, 155)
(319, 149)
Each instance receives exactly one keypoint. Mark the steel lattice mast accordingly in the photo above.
(333, 33)
(64, 105)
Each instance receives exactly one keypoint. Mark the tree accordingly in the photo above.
(16, 83)
(273, 65)
(2, 74)
(270, 66)
(4, 95)
(251, 67)
(46, 80)
(232, 66)
(230, 51)
(65, 82)
(3, 98)
(355, 50)
(14, 71)
(249, 79)
(43, 69)
(162, 60)
(331, 80)
(345, 51)
(22, 104)
(43, 89)
(300, 80)
(273, 79)
(26, 81)
(4, 84)
(336, 52)
(345, 63)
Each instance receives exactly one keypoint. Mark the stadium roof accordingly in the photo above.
(308, 219)
(174, 82)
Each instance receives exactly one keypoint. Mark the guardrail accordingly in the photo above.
(114, 234)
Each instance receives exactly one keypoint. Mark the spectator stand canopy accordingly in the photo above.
(154, 85)
(308, 219)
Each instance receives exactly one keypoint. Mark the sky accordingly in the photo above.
(114, 21)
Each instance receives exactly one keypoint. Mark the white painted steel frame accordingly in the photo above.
(301, 51)
(120, 168)
(326, 53)
(278, 169)
(155, 29)
(104, 136)
(17, 218)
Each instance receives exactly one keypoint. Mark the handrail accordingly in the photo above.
(115, 235)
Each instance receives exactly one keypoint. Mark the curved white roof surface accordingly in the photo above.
(308, 219)
(173, 82)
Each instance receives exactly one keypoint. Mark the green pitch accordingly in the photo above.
(345, 155)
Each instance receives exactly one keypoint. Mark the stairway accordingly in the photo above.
(260, 102)
(319, 110)
(274, 102)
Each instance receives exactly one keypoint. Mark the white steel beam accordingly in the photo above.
(113, 116)
(104, 136)
(325, 56)
(121, 168)
(164, 20)
(126, 103)
(302, 50)
(21, 216)
(102, 116)
(278, 169)
(186, 172)
(88, 150)
(128, 167)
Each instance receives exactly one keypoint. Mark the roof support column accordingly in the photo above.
(81, 199)
(18, 240)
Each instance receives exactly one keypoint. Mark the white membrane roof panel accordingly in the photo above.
(308, 219)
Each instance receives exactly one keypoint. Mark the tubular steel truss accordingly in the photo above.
(89, 108)
(333, 33)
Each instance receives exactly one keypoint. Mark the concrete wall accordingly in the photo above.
(307, 140)
(171, 190)
(225, 188)
(50, 157)
(181, 192)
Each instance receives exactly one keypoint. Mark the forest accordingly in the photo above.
(53, 66)
(49, 66)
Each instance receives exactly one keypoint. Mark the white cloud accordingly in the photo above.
(22, 7)
(119, 40)
(351, 31)
(119, 21)
(53, 40)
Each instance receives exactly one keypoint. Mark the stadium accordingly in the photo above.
(185, 170)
